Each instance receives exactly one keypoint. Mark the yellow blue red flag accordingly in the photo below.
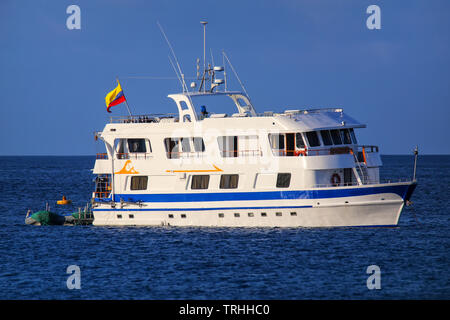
(115, 97)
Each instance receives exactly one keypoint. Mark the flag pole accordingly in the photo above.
(126, 103)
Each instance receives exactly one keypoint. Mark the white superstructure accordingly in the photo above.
(298, 168)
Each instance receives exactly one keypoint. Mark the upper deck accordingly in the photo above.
(302, 120)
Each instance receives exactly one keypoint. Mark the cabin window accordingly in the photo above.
(199, 145)
(139, 183)
(326, 137)
(283, 180)
(123, 147)
(228, 146)
(313, 139)
(229, 181)
(120, 149)
(200, 182)
(345, 135)
(276, 141)
(352, 134)
(248, 146)
(277, 144)
(336, 137)
(221, 215)
(183, 105)
(172, 147)
(136, 145)
(185, 146)
(176, 146)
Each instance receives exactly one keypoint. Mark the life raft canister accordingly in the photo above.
(335, 179)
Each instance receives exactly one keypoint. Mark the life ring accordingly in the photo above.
(335, 179)
(300, 152)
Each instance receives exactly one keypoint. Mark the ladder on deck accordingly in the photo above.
(360, 172)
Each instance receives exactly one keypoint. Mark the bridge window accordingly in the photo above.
(352, 134)
(229, 181)
(326, 137)
(286, 144)
(299, 141)
(336, 136)
(313, 139)
(346, 138)
(283, 180)
(139, 183)
(200, 182)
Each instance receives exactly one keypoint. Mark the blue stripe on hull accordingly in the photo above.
(401, 190)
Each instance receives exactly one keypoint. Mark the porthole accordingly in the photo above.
(237, 215)
(119, 216)
(293, 214)
(221, 215)
(250, 214)
(131, 216)
(171, 216)
(278, 214)
(183, 215)
(263, 214)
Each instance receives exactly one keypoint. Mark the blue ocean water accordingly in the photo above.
(218, 263)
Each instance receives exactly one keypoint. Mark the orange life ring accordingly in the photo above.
(300, 152)
(335, 179)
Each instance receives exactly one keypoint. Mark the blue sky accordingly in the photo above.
(303, 54)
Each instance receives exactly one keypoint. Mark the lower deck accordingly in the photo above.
(363, 206)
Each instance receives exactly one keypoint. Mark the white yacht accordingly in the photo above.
(296, 168)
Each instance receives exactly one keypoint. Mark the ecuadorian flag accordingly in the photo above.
(115, 97)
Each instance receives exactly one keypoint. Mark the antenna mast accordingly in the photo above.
(204, 23)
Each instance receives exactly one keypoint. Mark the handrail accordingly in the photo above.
(101, 156)
(143, 118)
(181, 154)
(133, 155)
(367, 182)
(103, 194)
(240, 153)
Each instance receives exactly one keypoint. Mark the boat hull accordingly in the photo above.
(370, 209)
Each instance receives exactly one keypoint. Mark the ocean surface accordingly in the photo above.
(218, 263)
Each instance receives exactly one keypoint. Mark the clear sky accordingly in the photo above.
(302, 54)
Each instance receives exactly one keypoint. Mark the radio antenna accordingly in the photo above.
(235, 73)
(204, 23)
(176, 72)
(183, 83)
